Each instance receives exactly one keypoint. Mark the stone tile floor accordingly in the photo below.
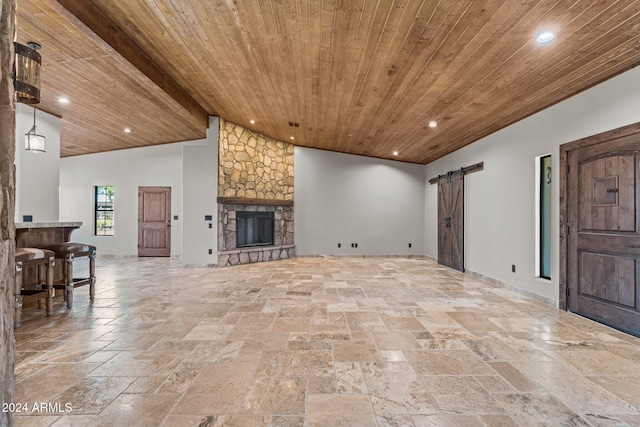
(318, 342)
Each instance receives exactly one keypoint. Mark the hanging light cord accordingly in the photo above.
(33, 128)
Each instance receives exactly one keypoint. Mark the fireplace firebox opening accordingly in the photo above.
(254, 229)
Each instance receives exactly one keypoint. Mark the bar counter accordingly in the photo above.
(39, 234)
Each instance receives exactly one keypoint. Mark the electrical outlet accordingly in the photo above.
(353, 245)
(409, 244)
(356, 245)
(210, 251)
(210, 225)
(339, 245)
(513, 268)
(175, 217)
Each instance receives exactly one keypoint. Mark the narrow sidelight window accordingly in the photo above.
(545, 217)
(103, 215)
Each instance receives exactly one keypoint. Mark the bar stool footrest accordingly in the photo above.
(29, 296)
(76, 282)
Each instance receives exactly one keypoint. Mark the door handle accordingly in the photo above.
(612, 190)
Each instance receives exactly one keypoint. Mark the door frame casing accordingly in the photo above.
(564, 205)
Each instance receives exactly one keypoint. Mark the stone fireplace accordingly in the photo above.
(230, 254)
(255, 183)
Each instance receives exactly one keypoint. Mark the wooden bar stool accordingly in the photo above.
(44, 261)
(68, 252)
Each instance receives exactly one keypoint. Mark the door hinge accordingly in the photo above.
(567, 169)
(568, 291)
(568, 230)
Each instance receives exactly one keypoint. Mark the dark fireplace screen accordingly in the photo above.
(254, 228)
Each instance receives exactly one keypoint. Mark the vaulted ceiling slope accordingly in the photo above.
(358, 76)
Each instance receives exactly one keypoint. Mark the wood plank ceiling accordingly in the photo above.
(359, 76)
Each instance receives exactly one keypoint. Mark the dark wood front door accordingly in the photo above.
(603, 235)
(451, 221)
(154, 221)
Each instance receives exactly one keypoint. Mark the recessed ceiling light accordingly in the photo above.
(127, 130)
(292, 138)
(545, 37)
(395, 153)
(253, 122)
(63, 100)
(433, 124)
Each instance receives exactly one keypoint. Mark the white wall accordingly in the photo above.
(37, 174)
(500, 200)
(189, 168)
(126, 170)
(200, 175)
(342, 198)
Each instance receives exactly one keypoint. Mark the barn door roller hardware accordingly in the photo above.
(472, 168)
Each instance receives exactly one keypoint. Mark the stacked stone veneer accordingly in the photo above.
(253, 166)
(255, 174)
(7, 207)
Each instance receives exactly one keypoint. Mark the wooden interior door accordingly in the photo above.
(451, 221)
(603, 240)
(154, 221)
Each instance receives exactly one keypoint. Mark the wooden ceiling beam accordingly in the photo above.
(93, 17)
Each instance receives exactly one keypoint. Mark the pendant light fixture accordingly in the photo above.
(26, 81)
(33, 141)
